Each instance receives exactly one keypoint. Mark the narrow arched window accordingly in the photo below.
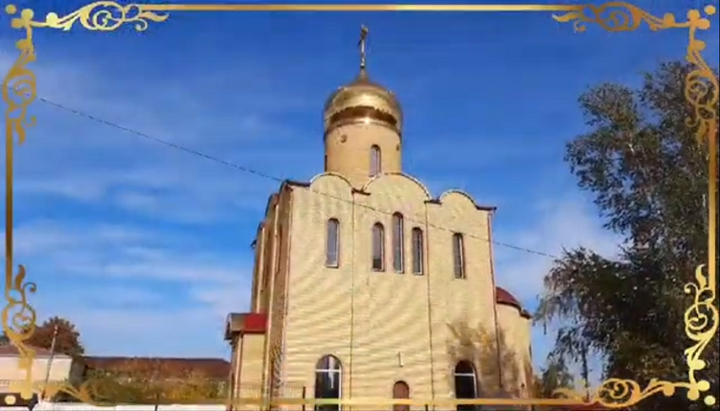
(375, 161)
(418, 253)
(328, 382)
(466, 384)
(458, 245)
(398, 227)
(332, 248)
(378, 247)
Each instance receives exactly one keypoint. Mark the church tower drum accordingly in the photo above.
(363, 128)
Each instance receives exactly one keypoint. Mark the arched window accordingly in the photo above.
(328, 382)
(398, 227)
(401, 390)
(418, 254)
(332, 248)
(458, 246)
(375, 161)
(466, 384)
(378, 247)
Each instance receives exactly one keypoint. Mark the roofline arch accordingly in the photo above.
(366, 186)
(331, 173)
(521, 311)
(465, 194)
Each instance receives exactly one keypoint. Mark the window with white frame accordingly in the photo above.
(466, 384)
(328, 382)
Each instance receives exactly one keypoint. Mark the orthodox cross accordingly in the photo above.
(363, 44)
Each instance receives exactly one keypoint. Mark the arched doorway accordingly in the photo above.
(401, 390)
(466, 384)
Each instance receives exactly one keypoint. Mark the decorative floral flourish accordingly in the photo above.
(619, 16)
(701, 91)
(19, 84)
(18, 92)
(103, 16)
(20, 324)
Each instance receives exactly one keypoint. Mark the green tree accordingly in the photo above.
(648, 175)
(554, 376)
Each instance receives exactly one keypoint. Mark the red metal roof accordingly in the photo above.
(503, 296)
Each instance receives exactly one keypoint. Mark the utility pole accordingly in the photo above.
(50, 359)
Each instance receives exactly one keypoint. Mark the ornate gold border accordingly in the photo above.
(701, 318)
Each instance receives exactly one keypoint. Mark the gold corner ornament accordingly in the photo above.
(18, 92)
(102, 16)
(701, 91)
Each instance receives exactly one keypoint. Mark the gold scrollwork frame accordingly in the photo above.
(701, 91)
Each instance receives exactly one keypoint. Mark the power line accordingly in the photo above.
(249, 170)
(157, 140)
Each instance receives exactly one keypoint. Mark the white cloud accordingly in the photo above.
(93, 162)
(562, 223)
(477, 152)
(49, 236)
(120, 282)
(179, 107)
(127, 331)
(116, 295)
(133, 288)
(202, 193)
(100, 251)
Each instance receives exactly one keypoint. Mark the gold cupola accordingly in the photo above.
(363, 101)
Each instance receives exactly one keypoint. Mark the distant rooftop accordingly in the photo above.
(9, 350)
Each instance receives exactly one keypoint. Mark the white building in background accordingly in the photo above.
(59, 367)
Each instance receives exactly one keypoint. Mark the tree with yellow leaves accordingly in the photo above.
(143, 381)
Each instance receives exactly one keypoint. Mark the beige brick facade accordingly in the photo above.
(383, 327)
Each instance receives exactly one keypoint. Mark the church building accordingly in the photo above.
(365, 285)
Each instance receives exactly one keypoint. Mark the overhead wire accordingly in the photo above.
(249, 170)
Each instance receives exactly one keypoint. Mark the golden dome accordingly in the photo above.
(363, 101)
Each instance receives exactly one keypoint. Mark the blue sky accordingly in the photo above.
(147, 248)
